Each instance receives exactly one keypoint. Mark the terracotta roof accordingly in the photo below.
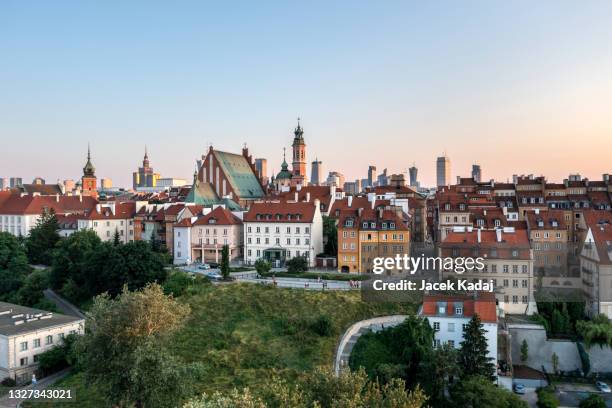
(546, 220)
(480, 303)
(220, 215)
(600, 224)
(322, 193)
(42, 189)
(503, 186)
(280, 211)
(28, 204)
(517, 238)
(123, 210)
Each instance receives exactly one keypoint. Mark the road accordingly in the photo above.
(62, 304)
(6, 402)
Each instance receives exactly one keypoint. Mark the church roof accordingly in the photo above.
(240, 175)
(201, 193)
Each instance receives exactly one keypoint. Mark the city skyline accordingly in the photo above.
(524, 85)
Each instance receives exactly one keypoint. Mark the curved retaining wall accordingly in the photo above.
(352, 334)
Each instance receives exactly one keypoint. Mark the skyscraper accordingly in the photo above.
(443, 171)
(145, 176)
(315, 172)
(413, 176)
(476, 173)
(261, 166)
(371, 176)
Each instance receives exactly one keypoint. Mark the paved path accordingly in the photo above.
(352, 334)
(43, 383)
(299, 283)
(62, 304)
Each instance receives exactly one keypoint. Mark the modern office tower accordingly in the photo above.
(315, 172)
(413, 176)
(16, 182)
(371, 176)
(261, 166)
(335, 179)
(443, 171)
(106, 184)
(476, 173)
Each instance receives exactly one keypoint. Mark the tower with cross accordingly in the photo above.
(299, 157)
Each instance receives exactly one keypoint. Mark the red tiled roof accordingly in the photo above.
(222, 216)
(600, 224)
(16, 204)
(547, 217)
(480, 303)
(123, 210)
(280, 211)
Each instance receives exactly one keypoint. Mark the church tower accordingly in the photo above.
(89, 182)
(299, 157)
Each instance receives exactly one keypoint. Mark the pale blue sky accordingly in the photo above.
(517, 86)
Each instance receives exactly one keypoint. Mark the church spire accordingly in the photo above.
(89, 170)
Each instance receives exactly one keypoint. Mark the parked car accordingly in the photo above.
(214, 275)
(602, 386)
(519, 388)
(214, 265)
(204, 266)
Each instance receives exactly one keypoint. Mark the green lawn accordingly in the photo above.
(244, 333)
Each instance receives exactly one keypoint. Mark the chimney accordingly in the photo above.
(350, 200)
(98, 207)
(57, 198)
(80, 198)
(359, 211)
(484, 212)
(295, 195)
(479, 236)
(505, 210)
(606, 177)
(498, 234)
(308, 196)
(380, 212)
(537, 211)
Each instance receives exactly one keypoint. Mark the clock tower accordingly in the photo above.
(89, 182)
(299, 157)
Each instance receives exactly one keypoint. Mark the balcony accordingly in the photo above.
(587, 283)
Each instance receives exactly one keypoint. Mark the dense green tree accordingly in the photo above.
(123, 349)
(42, 239)
(31, 292)
(116, 238)
(593, 401)
(473, 354)
(408, 346)
(71, 257)
(13, 264)
(596, 332)
(330, 235)
(298, 264)
(478, 391)
(437, 373)
(225, 262)
(524, 351)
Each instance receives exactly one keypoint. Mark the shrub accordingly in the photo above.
(297, 265)
(8, 382)
(584, 358)
(547, 398)
(262, 266)
(322, 326)
(593, 401)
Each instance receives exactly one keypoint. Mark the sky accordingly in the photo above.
(516, 86)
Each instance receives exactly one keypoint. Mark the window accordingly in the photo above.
(437, 343)
(35, 358)
(288, 241)
(464, 326)
(515, 299)
(436, 326)
(515, 283)
(524, 283)
(23, 361)
(49, 340)
(36, 343)
(514, 268)
(61, 336)
(451, 343)
(23, 346)
(506, 269)
(459, 310)
(505, 283)
(524, 299)
(524, 269)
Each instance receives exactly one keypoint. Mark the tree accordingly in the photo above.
(116, 238)
(524, 351)
(225, 262)
(122, 351)
(299, 264)
(596, 332)
(71, 256)
(330, 235)
(405, 348)
(31, 292)
(478, 391)
(555, 362)
(42, 239)
(13, 264)
(437, 373)
(473, 354)
(262, 266)
(593, 401)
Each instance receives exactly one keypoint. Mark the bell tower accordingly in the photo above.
(299, 156)
(89, 182)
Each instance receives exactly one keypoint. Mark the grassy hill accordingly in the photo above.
(244, 333)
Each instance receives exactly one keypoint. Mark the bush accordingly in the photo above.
(177, 283)
(547, 398)
(322, 326)
(262, 266)
(8, 382)
(584, 358)
(297, 265)
(593, 401)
